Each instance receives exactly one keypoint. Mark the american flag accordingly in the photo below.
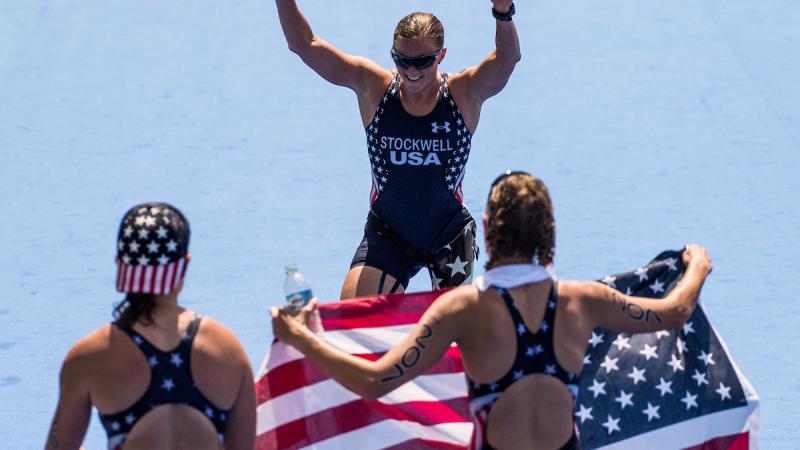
(299, 406)
(663, 390)
(670, 389)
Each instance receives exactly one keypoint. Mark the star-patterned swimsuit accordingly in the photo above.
(535, 354)
(170, 382)
(418, 165)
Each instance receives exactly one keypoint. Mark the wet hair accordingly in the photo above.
(135, 308)
(420, 25)
(520, 221)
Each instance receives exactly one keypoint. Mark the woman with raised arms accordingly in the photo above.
(419, 124)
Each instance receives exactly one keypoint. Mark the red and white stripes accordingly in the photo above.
(158, 280)
(299, 406)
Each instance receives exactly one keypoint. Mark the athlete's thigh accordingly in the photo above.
(381, 265)
(366, 280)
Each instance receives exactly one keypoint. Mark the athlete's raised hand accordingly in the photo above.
(502, 6)
(693, 254)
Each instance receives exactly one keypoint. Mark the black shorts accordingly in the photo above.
(450, 266)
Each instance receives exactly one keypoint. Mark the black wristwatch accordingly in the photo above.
(504, 17)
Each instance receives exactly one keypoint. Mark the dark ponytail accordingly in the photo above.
(135, 308)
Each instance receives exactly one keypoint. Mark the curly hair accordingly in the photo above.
(520, 221)
(420, 25)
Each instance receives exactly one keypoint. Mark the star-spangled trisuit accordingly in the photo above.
(418, 165)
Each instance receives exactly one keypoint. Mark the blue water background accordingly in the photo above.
(653, 123)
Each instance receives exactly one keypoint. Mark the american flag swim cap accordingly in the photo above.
(151, 249)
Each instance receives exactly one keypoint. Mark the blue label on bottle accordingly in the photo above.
(299, 299)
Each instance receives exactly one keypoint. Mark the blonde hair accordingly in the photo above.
(420, 25)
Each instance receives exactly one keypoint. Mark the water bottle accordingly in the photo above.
(296, 289)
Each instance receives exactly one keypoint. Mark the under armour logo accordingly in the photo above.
(435, 127)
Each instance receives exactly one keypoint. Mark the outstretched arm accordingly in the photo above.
(418, 352)
(357, 73)
(612, 310)
(491, 75)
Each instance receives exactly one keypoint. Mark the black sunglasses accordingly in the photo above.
(505, 175)
(420, 62)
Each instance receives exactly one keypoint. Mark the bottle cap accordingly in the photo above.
(291, 268)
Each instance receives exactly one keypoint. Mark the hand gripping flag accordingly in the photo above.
(665, 390)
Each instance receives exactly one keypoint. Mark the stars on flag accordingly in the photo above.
(690, 400)
(723, 391)
(622, 342)
(596, 339)
(657, 287)
(664, 387)
(598, 388)
(651, 412)
(611, 424)
(637, 375)
(707, 358)
(584, 413)
(649, 351)
(609, 281)
(610, 364)
(699, 377)
(676, 363)
(624, 399)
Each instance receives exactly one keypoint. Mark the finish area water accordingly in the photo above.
(654, 124)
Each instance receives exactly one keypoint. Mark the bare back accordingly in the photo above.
(116, 373)
(535, 411)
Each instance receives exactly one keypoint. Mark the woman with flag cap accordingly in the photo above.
(522, 335)
(419, 124)
(160, 375)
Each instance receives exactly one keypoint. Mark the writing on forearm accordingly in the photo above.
(633, 310)
(411, 356)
